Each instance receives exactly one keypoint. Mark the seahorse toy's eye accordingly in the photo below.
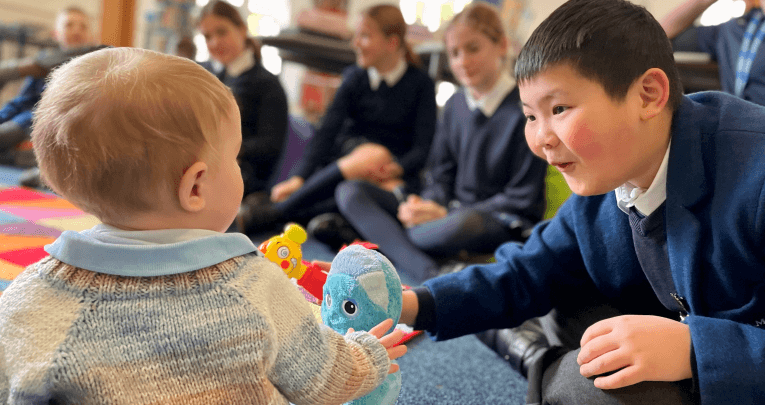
(328, 300)
(350, 308)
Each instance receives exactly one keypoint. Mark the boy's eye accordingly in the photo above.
(531, 118)
(558, 109)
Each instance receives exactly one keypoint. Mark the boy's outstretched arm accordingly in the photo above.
(409, 308)
(641, 347)
(679, 19)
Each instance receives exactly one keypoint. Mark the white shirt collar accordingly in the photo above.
(645, 201)
(489, 103)
(391, 78)
(244, 62)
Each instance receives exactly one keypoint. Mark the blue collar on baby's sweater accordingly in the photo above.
(83, 250)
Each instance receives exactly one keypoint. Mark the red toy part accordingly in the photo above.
(368, 245)
(313, 280)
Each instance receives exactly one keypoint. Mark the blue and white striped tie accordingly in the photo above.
(755, 32)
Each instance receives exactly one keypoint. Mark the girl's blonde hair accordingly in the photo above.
(116, 128)
(391, 22)
(481, 17)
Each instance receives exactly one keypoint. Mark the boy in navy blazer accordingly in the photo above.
(655, 269)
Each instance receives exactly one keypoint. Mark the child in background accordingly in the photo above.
(655, 268)
(157, 304)
(72, 31)
(740, 63)
(236, 61)
(480, 169)
(378, 128)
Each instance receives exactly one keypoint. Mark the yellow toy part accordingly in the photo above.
(284, 250)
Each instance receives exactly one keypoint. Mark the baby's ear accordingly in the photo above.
(192, 183)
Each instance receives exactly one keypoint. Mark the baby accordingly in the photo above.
(158, 304)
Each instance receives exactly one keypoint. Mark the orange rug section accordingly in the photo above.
(29, 220)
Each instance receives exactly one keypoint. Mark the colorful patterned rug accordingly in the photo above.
(29, 220)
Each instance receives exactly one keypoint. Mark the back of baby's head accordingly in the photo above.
(612, 42)
(116, 128)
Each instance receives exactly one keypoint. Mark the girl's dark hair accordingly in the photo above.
(225, 10)
(613, 42)
(391, 22)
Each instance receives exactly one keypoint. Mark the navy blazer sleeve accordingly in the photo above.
(526, 281)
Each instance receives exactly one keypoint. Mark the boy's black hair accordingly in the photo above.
(612, 42)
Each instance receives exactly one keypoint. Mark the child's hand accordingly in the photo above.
(388, 341)
(282, 190)
(416, 211)
(325, 266)
(641, 347)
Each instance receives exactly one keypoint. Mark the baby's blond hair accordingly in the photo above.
(116, 128)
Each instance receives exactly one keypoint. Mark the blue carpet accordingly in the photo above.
(10, 175)
(460, 371)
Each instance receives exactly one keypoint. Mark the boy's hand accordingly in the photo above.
(640, 347)
(416, 211)
(388, 341)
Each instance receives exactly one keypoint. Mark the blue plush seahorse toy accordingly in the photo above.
(362, 290)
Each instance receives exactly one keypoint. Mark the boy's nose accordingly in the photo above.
(546, 137)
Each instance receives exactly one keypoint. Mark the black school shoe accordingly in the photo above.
(254, 217)
(521, 346)
(333, 230)
(31, 178)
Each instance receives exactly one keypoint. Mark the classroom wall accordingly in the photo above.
(43, 12)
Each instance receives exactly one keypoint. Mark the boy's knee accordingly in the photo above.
(563, 384)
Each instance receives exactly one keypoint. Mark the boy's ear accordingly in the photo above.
(192, 183)
(654, 92)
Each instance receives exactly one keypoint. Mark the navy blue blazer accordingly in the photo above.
(715, 219)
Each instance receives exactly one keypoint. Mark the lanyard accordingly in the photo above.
(749, 46)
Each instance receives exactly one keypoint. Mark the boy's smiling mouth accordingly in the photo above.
(562, 166)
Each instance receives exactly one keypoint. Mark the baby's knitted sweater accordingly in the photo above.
(237, 332)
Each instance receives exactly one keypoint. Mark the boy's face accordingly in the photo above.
(72, 30)
(594, 141)
(226, 176)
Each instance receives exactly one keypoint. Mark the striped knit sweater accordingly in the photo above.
(237, 332)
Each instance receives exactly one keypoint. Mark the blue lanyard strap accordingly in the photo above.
(749, 46)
